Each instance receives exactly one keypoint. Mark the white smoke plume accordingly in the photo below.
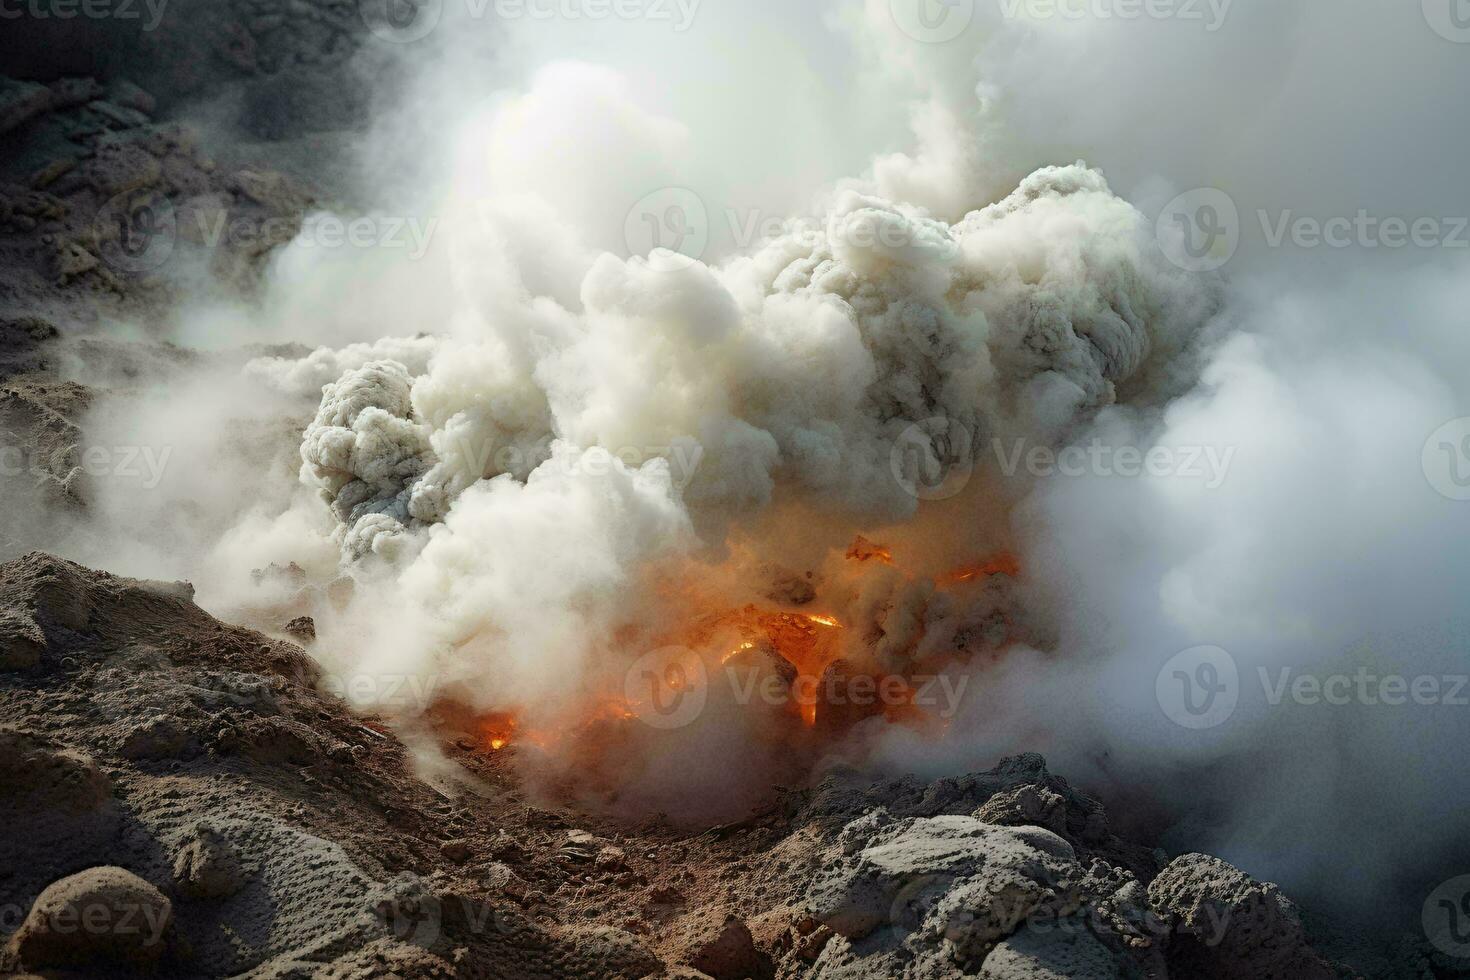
(529, 450)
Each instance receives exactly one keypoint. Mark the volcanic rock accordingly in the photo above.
(96, 918)
(1064, 950)
(1034, 805)
(1229, 926)
(720, 946)
(303, 628)
(207, 865)
(21, 642)
(42, 777)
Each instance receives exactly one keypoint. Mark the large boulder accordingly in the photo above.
(1064, 950)
(98, 918)
(948, 888)
(207, 865)
(1225, 925)
(721, 946)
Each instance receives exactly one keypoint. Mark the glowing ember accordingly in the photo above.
(1004, 563)
(864, 550)
(747, 645)
(496, 730)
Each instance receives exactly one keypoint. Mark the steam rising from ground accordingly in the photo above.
(506, 441)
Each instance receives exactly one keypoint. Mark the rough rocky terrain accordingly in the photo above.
(183, 800)
(181, 797)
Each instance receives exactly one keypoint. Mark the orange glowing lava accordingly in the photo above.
(864, 550)
(809, 635)
(1003, 563)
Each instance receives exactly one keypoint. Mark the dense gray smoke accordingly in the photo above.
(512, 440)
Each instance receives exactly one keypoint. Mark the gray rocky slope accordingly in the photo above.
(182, 800)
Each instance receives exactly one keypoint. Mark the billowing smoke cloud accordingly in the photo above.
(512, 445)
(801, 365)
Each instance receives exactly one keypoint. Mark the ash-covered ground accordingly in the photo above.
(182, 800)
